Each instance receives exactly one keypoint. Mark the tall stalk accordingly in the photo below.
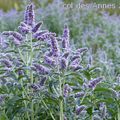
(31, 73)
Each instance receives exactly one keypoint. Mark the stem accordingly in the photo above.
(118, 113)
(48, 109)
(61, 100)
(31, 74)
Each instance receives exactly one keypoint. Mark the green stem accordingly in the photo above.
(48, 109)
(61, 100)
(118, 113)
(31, 75)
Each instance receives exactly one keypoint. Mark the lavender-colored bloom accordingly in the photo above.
(75, 64)
(17, 36)
(31, 16)
(63, 63)
(92, 83)
(40, 33)
(41, 69)
(66, 54)
(49, 54)
(75, 68)
(81, 50)
(36, 27)
(103, 110)
(15, 41)
(79, 94)
(2, 97)
(79, 109)
(7, 63)
(42, 81)
(46, 36)
(35, 87)
(65, 39)
(67, 90)
(26, 15)
(23, 30)
(75, 57)
(55, 47)
(48, 60)
(7, 33)
(20, 72)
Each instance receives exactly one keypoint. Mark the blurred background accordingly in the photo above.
(7, 5)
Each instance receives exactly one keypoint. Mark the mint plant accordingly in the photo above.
(44, 77)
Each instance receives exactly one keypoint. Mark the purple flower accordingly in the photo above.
(66, 54)
(36, 27)
(75, 57)
(63, 63)
(65, 39)
(17, 36)
(26, 15)
(35, 87)
(23, 30)
(48, 60)
(15, 41)
(79, 109)
(42, 82)
(103, 110)
(2, 97)
(40, 33)
(67, 90)
(46, 36)
(31, 15)
(75, 64)
(7, 33)
(41, 69)
(7, 63)
(92, 83)
(55, 47)
(81, 50)
(79, 94)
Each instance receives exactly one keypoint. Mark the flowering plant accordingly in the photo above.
(44, 77)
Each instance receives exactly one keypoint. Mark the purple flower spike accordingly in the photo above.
(55, 47)
(31, 15)
(36, 27)
(17, 36)
(41, 69)
(42, 82)
(67, 90)
(79, 94)
(7, 33)
(63, 63)
(40, 33)
(79, 109)
(35, 87)
(65, 40)
(75, 64)
(48, 60)
(81, 50)
(92, 83)
(7, 63)
(16, 41)
(26, 15)
(23, 30)
(66, 54)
